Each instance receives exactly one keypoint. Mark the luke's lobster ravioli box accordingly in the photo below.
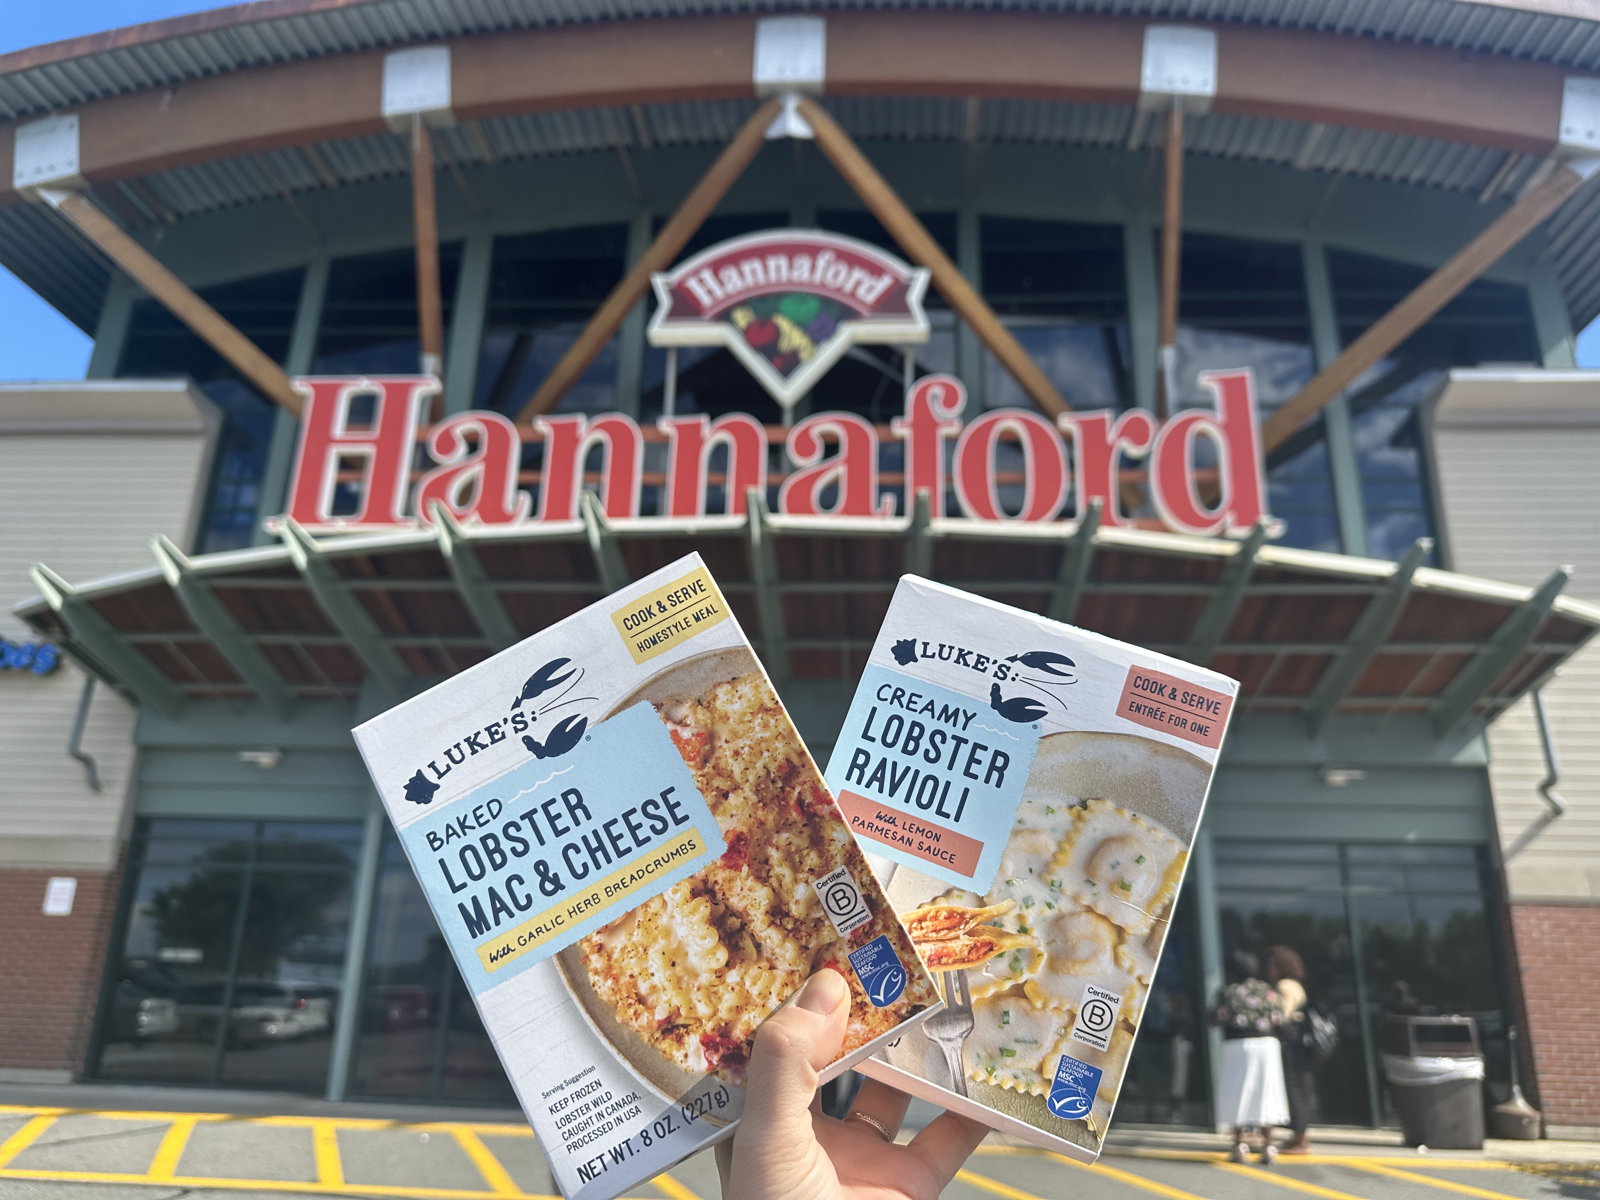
(1028, 793)
(634, 861)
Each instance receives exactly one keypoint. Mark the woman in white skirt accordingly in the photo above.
(1250, 1086)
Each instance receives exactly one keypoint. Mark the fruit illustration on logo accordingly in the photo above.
(786, 329)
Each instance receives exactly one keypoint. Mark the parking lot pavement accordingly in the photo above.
(69, 1153)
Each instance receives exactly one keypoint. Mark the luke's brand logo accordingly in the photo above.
(527, 717)
(789, 304)
(1043, 671)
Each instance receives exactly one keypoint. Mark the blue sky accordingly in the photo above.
(37, 342)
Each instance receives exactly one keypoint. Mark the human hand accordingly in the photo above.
(786, 1149)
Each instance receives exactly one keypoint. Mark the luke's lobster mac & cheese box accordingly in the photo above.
(634, 861)
(1028, 793)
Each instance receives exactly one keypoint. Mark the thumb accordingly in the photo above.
(790, 1048)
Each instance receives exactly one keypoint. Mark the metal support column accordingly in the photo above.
(285, 426)
(468, 315)
(1202, 888)
(363, 897)
(1343, 471)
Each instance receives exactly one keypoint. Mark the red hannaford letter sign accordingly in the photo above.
(1011, 465)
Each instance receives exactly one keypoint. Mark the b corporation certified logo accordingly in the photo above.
(1097, 1015)
(842, 901)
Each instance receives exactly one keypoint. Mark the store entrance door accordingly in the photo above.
(1382, 929)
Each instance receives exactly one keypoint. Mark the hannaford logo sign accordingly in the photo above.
(788, 303)
(471, 461)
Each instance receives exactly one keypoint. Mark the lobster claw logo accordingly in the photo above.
(789, 303)
(1049, 672)
(569, 730)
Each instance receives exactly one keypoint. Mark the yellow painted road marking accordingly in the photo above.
(165, 1163)
(1298, 1185)
(1463, 1189)
(994, 1186)
(673, 1188)
(26, 1136)
(325, 1147)
(984, 1183)
(271, 1185)
(494, 1174)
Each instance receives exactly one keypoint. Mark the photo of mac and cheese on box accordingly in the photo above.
(634, 862)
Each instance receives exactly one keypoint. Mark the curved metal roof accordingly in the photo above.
(51, 259)
(1305, 632)
(275, 31)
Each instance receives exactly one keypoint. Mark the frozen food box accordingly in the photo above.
(1028, 793)
(634, 861)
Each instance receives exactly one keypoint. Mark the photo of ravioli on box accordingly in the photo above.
(1028, 793)
(634, 861)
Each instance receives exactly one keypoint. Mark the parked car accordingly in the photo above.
(138, 1014)
(259, 1012)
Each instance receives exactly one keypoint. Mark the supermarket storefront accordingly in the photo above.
(1143, 490)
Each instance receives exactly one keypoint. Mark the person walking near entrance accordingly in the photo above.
(1250, 1087)
(1286, 971)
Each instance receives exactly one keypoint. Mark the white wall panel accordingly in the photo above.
(86, 503)
(1522, 496)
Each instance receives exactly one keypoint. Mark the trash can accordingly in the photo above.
(1435, 1070)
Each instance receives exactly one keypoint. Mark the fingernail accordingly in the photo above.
(823, 993)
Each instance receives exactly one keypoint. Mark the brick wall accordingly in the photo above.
(51, 980)
(1558, 951)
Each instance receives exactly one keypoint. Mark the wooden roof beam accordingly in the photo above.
(1433, 293)
(343, 609)
(919, 246)
(425, 222)
(660, 255)
(178, 297)
(1367, 637)
(142, 678)
(212, 618)
(1171, 236)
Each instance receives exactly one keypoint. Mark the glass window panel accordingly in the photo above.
(419, 1036)
(369, 315)
(400, 1005)
(229, 966)
(1274, 875)
(1166, 1080)
(1457, 856)
(470, 1071)
(1250, 852)
(160, 346)
(1242, 304)
(1488, 322)
(543, 289)
(170, 969)
(1060, 288)
(286, 986)
(1315, 925)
